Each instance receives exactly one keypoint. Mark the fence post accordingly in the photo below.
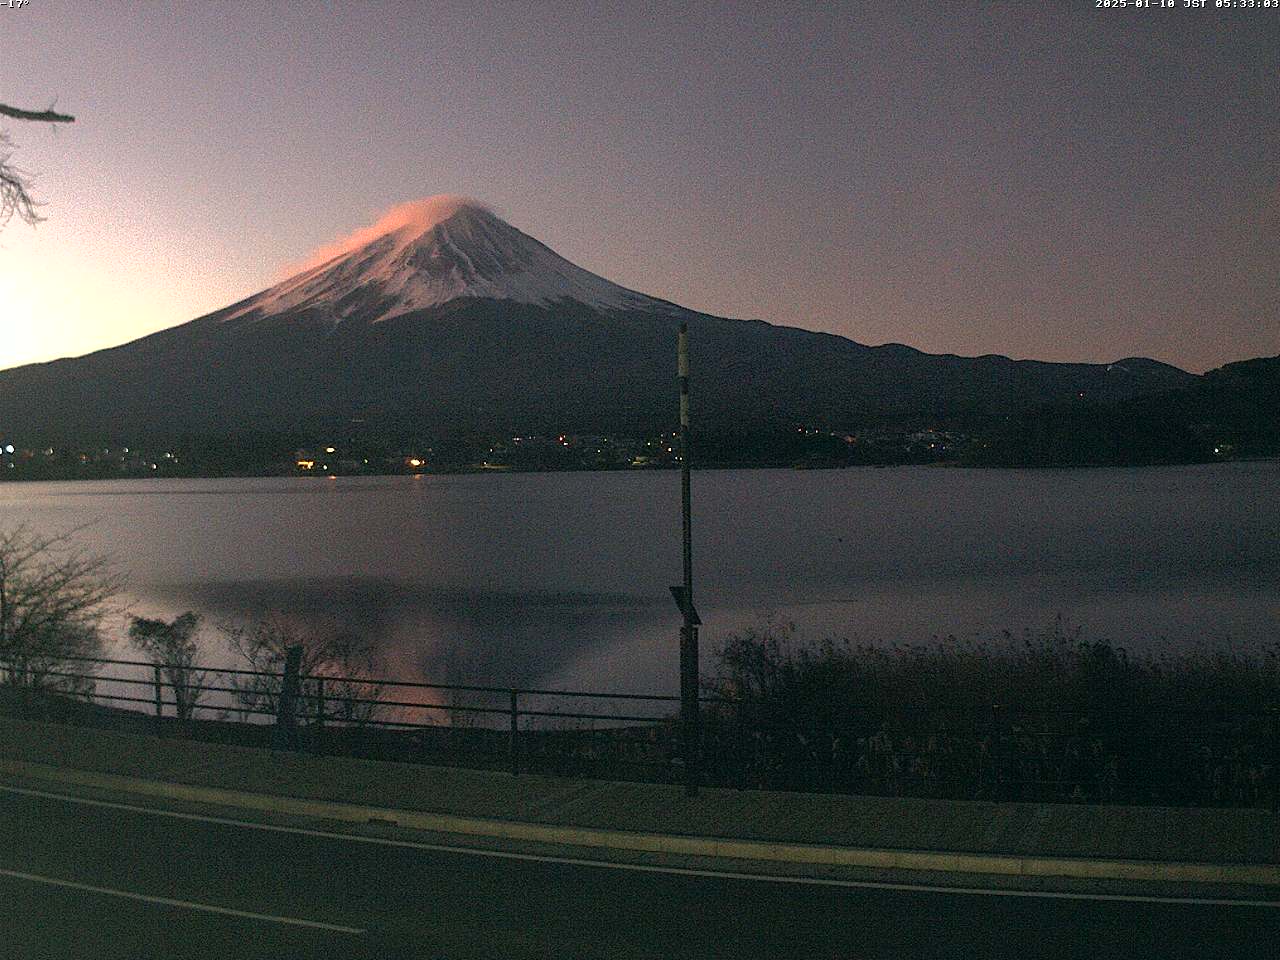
(286, 707)
(320, 708)
(996, 753)
(514, 745)
(158, 680)
(1275, 759)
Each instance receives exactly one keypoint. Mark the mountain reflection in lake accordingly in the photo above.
(443, 636)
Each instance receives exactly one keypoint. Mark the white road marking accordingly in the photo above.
(642, 867)
(168, 902)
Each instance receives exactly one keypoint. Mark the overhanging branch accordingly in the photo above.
(49, 116)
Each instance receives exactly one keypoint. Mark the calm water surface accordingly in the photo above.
(561, 579)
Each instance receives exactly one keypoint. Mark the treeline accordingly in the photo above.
(796, 448)
(1230, 414)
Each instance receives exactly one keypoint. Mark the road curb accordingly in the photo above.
(794, 853)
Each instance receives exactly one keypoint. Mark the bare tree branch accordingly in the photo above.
(15, 193)
(46, 115)
(15, 184)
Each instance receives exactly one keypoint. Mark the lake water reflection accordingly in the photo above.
(561, 579)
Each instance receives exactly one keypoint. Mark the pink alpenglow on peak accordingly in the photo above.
(430, 251)
(414, 218)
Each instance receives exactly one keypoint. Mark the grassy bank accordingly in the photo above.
(1048, 714)
(1043, 716)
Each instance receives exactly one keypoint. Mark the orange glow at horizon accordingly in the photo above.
(60, 298)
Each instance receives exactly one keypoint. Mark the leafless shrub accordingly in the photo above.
(53, 597)
(171, 645)
(344, 661)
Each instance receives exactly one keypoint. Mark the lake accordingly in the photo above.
(561, 580)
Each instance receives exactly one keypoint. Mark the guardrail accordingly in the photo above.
(1002, 754)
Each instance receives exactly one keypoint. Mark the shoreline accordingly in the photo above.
(718, 468)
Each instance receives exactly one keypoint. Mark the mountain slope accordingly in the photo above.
(448, 318)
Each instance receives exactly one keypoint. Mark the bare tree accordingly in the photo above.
(343, 660)
(15, 183)
(171, 646)
(53, 596)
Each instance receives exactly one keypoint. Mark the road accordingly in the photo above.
(95, 880)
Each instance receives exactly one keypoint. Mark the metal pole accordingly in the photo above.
(689, 719)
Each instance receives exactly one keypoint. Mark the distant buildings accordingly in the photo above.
(802, 446)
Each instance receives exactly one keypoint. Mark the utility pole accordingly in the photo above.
(690, 722)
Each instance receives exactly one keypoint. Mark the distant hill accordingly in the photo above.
(451, 319)
(1231, 412)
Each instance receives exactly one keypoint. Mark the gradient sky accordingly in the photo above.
(1040, 180)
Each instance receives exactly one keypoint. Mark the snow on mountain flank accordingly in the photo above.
(431, 251)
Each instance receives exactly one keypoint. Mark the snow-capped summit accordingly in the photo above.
(431, 251)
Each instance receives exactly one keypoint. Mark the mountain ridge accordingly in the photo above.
(443, 316)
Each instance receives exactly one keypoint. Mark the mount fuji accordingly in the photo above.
(443, 317)
(423, 255)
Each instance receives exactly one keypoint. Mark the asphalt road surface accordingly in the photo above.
(94, 881)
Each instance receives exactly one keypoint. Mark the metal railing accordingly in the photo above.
(521, 728)
(995, 753)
